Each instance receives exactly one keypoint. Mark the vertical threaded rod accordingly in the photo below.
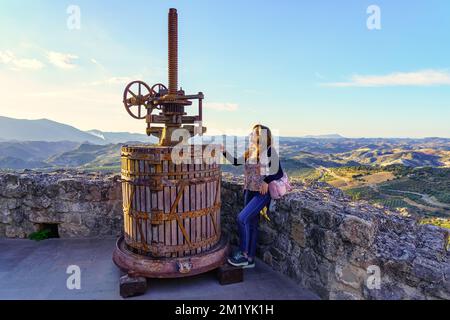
(173, 51)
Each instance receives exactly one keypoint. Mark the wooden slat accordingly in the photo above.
(177, 215)
(161, 228)
(198, 220)
(180, 206)
(218, 198)
(213, 201)
(186, 206)
(142, 227)
(154, 205)
(126, 201)
(133, 206)
(144, 199)
(203, 205)
(192, 204)
(167, 224)
(137, 205)
(130, 198)
(148, 207)
(173, 224)
(125, 198)
(208, 204)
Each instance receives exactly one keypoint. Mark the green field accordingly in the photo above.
(420, 192)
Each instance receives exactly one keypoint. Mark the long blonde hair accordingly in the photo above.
(258, 128)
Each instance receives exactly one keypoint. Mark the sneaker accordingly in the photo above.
(238, 260)
(234, 253)
(237, 254)
(250, 264)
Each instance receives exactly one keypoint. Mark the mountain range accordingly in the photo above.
(29, 144)
(51, 131)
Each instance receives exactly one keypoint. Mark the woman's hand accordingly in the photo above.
(264, 188)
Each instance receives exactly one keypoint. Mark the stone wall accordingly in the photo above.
(83, 205)
(333, 246)
(316, 235)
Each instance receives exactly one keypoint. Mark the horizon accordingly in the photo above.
(208, 135)
(321, 64)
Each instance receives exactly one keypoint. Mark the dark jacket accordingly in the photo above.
(267, 179)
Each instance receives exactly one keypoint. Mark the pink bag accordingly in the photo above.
(279, 188)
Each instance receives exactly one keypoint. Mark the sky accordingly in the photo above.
(299, 67)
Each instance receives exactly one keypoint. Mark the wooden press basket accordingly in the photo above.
(170, 210)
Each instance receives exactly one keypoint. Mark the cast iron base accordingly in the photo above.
(142, 266)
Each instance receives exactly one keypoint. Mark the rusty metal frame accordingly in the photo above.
(160, 267)
(171, 101)
(158, 216)
(159, 250)
(130, 173)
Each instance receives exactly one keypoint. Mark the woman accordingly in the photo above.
(261, 166)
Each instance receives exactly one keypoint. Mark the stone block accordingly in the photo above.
(266, 235)
(228, 274)
(432, 242)
(361, 257)
(15, 232)
(325, 271)
(326, 243)
(267, 258)
(328, 218)
(428, 270)
(308, 262)
(298, 233)
(2, 230)
(323, 291)
(277, 254)
(132, 286)
(357, 231)
(283, 241)
(350, 275)
(5, 216)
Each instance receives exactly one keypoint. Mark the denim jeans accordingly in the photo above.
(248, 220)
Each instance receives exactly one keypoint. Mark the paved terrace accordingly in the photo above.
(37, 270)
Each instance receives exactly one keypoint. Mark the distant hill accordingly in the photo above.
(324, 136)
(411, 158)
(51, 131)
(89, 155)
(31, 154)
(122, 137)
(42, 130)
(16, 163)
(35, 150)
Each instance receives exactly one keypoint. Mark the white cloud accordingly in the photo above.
(9, 58)
(62, 60)
(221, 106)
(418, 78)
